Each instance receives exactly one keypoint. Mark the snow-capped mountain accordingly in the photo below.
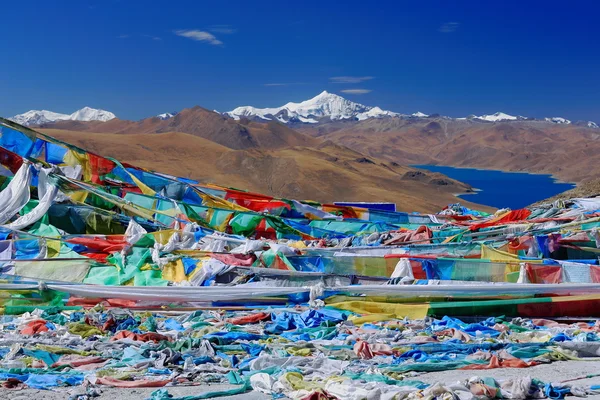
(503, 117)
(558, 120)
(39, 117)
(331, 107)
(376, 112)
(325, 105)
(499, 116)
(323, 108)
(587, 124)
(92, 114)
(564, 121)
(167, 115)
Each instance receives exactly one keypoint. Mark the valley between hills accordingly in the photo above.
(331, 149)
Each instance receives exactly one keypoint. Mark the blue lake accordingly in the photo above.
(503, 189)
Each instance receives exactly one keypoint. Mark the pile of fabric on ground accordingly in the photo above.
(293, 352)
(114, 275)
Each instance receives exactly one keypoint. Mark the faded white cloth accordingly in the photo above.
(265, 383)
(73, 172)
(318, 366)
(575, 272)
(47, 191)
(583, 349)
(207, 270)
(214, 244)
(434, 218)
(249, 246)
(134, 232)
(351, 390)
(282, 249)
(523, 274)
(316, 291)
(16, 194)
(590, 204)
(178, 241)
(403, 269)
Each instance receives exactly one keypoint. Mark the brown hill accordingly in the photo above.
(322, 171)
(567, 151)
(203, 123)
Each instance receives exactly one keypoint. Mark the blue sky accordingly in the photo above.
(141, 58)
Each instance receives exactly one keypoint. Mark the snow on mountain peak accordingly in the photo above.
(327, 105)
(39, 117)
(558, 120)
(376, 112)
(499, 116)
(323, 105)
(92, 114)
(325, 93)
(164, 116)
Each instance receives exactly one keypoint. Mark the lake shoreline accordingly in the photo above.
(554, 177)
(500, 189)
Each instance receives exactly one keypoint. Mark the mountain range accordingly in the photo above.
(329, 148)
(40, 117)
(326, 107)
(266, 157)
(323, 108)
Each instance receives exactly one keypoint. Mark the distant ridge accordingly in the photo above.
(321, 109)
(326, 107)
(40, 117)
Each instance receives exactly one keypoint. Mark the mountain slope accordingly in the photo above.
(568, 151)
(197, 121)
(324, 172)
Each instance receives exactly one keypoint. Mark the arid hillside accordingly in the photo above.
(265, 157)
(569, 152)
(202, 123)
